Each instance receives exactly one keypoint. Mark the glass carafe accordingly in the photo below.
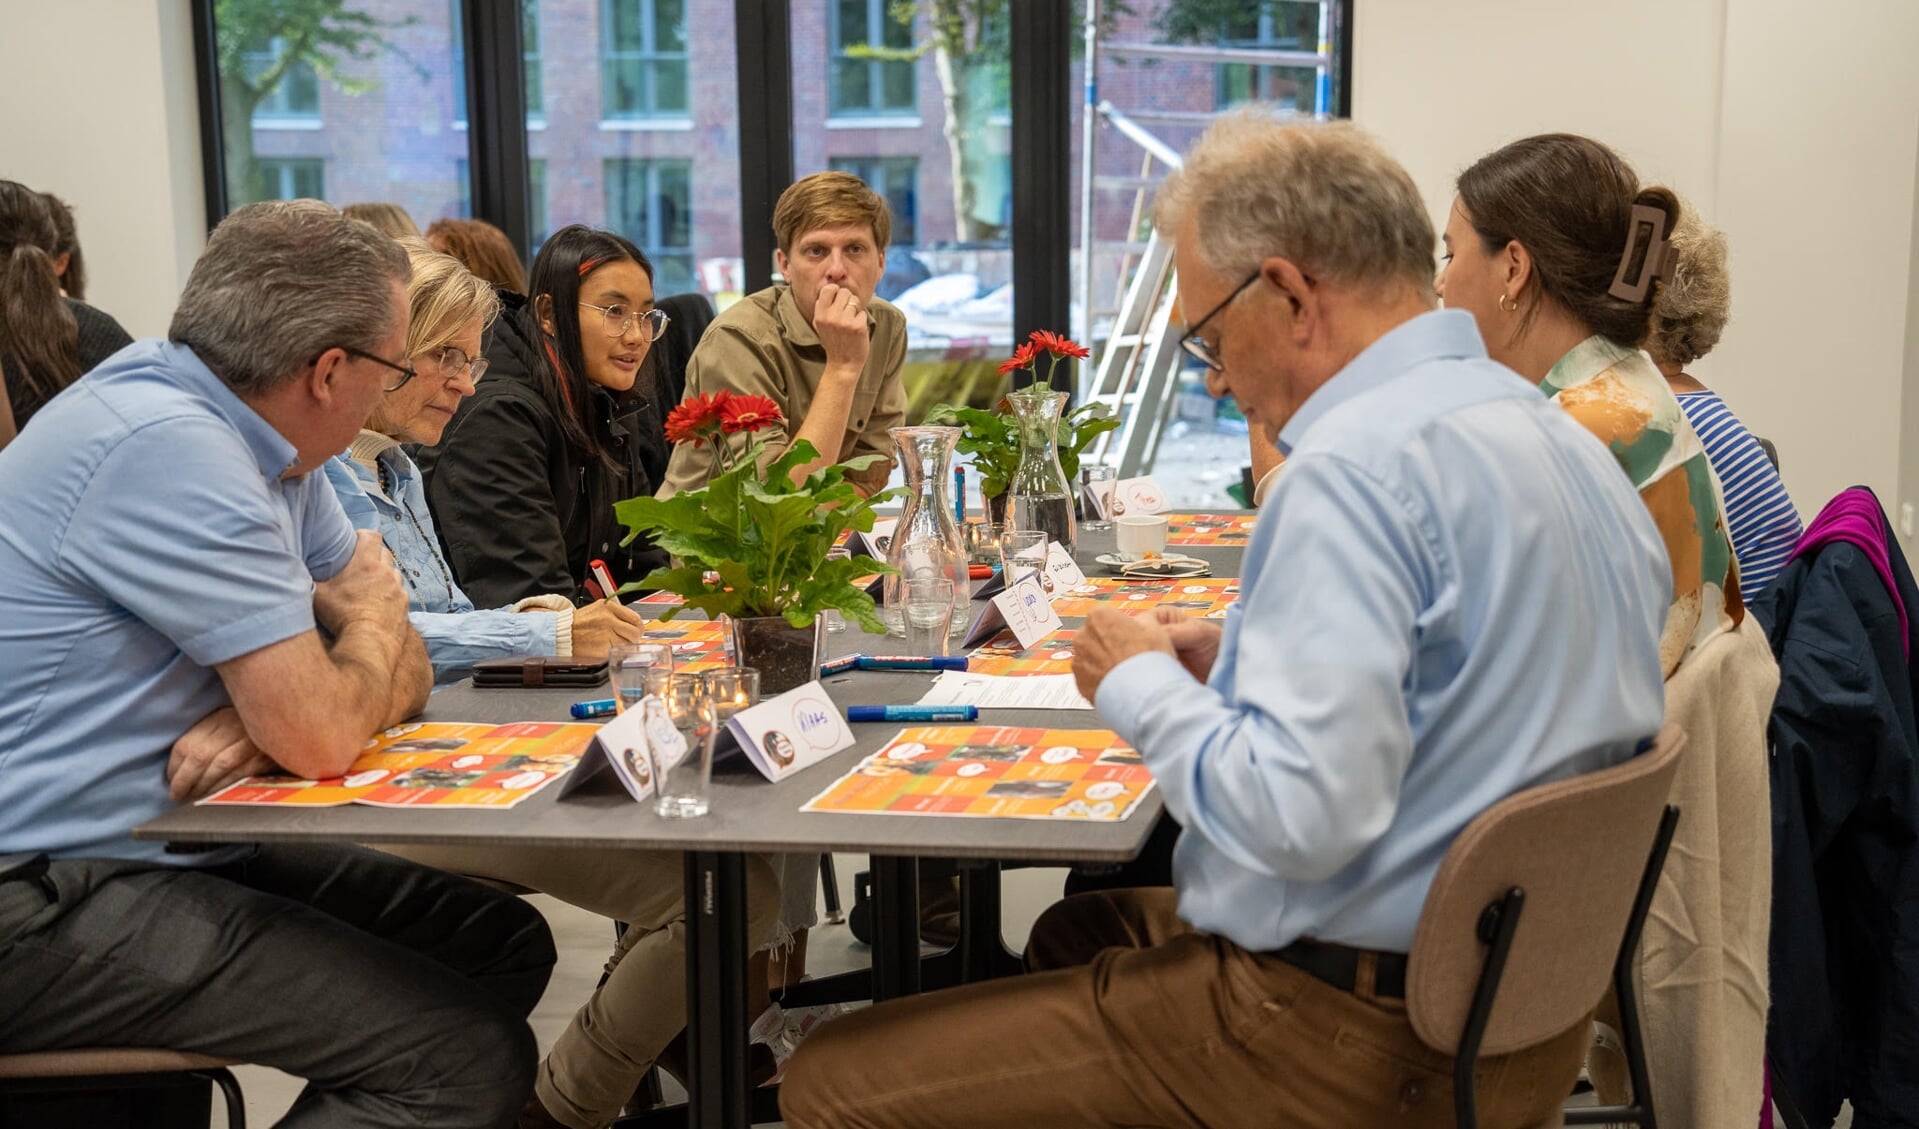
(926, 541)
(1041, 496)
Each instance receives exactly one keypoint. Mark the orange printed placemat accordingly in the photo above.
(992, 772)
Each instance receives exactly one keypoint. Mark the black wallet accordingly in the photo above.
(536, 671)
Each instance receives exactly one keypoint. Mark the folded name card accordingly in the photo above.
(1062, 572)
(1139, 495)
(783, 735)
(1024, 607)
(621, 746)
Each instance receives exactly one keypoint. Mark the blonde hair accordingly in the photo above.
(387, 219)
(1693, 305)
(1323, 195)
(830, 199)
(443, 298)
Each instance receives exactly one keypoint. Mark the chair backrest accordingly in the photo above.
(1578, 849)
(1772, 452)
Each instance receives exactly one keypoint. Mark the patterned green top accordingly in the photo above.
(1620, 396)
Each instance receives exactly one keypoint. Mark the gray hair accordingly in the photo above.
(1323, 195)
(1693, 305)
(282, 282)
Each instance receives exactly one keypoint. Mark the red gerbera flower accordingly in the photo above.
(1059, 344)
(748, 413)
(694, 419)
(1023, 357)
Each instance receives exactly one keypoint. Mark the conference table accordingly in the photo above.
(749, 816)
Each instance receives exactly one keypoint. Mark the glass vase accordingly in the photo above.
(926, 540)
(786, 656)
(1042, 498)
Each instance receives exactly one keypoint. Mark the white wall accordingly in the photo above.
(1795, 128)
(100, 110)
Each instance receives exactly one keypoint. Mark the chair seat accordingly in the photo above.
(82, 1062)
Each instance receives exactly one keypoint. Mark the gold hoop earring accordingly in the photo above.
(1512, 309)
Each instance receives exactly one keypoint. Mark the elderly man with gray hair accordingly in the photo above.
(179, 580)
(1424, 629)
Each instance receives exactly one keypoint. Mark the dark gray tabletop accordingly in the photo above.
(749, 814)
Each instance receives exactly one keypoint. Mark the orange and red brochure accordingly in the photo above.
(991, 772)
(433, 765)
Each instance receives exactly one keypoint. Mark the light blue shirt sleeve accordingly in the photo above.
(1298, 770)
(329, 537)
(457, 640)
(216, 567)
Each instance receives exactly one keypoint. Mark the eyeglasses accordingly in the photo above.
(453, 361)
(1202, 350)
(407, 371)
(617, 319)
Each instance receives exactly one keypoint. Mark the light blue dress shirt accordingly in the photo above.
(146, 535)
(456, 636)
(1451, 595)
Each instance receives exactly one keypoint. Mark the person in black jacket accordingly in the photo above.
(47, 340)
(1845, 822)
(522, 485)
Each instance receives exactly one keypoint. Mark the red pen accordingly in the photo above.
(604, 575)
(979, 571)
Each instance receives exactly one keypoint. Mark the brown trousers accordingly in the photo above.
(1132, 1018)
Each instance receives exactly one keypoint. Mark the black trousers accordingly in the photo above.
(400, 993)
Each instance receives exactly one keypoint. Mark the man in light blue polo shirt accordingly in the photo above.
(172, 565)
(1424, 629)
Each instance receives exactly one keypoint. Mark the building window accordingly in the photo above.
(897, 180)
(289, 178)
(873, 69)
(529, 44)
(295, 97)
(651, 203)
(536, 201)
(643, 58)
(1284, 27)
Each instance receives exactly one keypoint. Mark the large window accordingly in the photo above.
(1285, 26)
(289, 178)
(644, 58)
(897, 179)
(530, 44)
(651, 203)
(873, 68)
(347, 101)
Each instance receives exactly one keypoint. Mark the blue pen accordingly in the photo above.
(959, 494)
(912, 713)
(605, 707)
(912, 662)
(839, 666)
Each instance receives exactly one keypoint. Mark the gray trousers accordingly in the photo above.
(399, 992)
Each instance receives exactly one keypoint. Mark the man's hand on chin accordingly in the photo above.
(1110, 638)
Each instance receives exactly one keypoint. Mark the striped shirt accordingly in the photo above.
(1765, 525)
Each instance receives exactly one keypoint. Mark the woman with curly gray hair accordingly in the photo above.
(1687, 319)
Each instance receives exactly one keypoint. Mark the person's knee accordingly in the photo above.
(762, 901)
(1069, 932)
(483, 1061)
(807, 1090)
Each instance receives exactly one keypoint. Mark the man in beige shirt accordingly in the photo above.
(822, 346)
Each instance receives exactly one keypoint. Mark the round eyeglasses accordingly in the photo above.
(453, 361)
(617, 319)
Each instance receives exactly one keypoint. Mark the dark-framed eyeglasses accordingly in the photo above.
(407, 371)
(453, 361)
(617, 319)
(1202, 350)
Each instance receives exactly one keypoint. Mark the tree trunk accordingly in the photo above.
(963, 83)
(237, 103)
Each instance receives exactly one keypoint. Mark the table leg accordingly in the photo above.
(716, 990)
(896, 927)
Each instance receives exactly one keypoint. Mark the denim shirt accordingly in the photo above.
(456, 635)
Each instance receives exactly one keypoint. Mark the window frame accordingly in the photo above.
(652, 239)
(877, 19)
(648, 59)
(268, 116)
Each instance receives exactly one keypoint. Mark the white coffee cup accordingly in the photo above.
(1141, 536)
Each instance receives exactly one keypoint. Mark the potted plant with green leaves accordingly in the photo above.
(993, 438)
(754, 544)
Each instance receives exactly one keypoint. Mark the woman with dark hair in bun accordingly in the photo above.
(47, 340)
(523, 482)
(1558, 252)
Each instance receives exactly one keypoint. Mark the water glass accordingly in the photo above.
(1099, 480)
(679, 743)
(1022, 551)
(630, 663)
(732, 688)
(929, 614)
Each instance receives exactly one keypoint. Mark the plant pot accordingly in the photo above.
(996, 509)
(786, 656)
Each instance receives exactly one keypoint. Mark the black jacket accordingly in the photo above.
(1845, 839)
(520, 510)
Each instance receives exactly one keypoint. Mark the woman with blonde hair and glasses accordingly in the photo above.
(380, 487)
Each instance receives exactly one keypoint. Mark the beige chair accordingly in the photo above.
(118, 1068)
(1538, 905)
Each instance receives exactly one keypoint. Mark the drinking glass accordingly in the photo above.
(679, 742)
(630, 663)
(1022, 551)
(929, 615)
(1099, 480)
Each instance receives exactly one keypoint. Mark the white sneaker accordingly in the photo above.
(797, 1024)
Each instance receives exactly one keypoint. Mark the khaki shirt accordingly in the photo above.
(762, 346)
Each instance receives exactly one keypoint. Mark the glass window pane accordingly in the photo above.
(852, 90)
(530, 38)
(851, 24)
(900, 86)
(344, 111)
(669, 25)
(623, 23)
(669, 87)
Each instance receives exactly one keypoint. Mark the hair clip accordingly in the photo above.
(588, 264)
(1648, 254)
